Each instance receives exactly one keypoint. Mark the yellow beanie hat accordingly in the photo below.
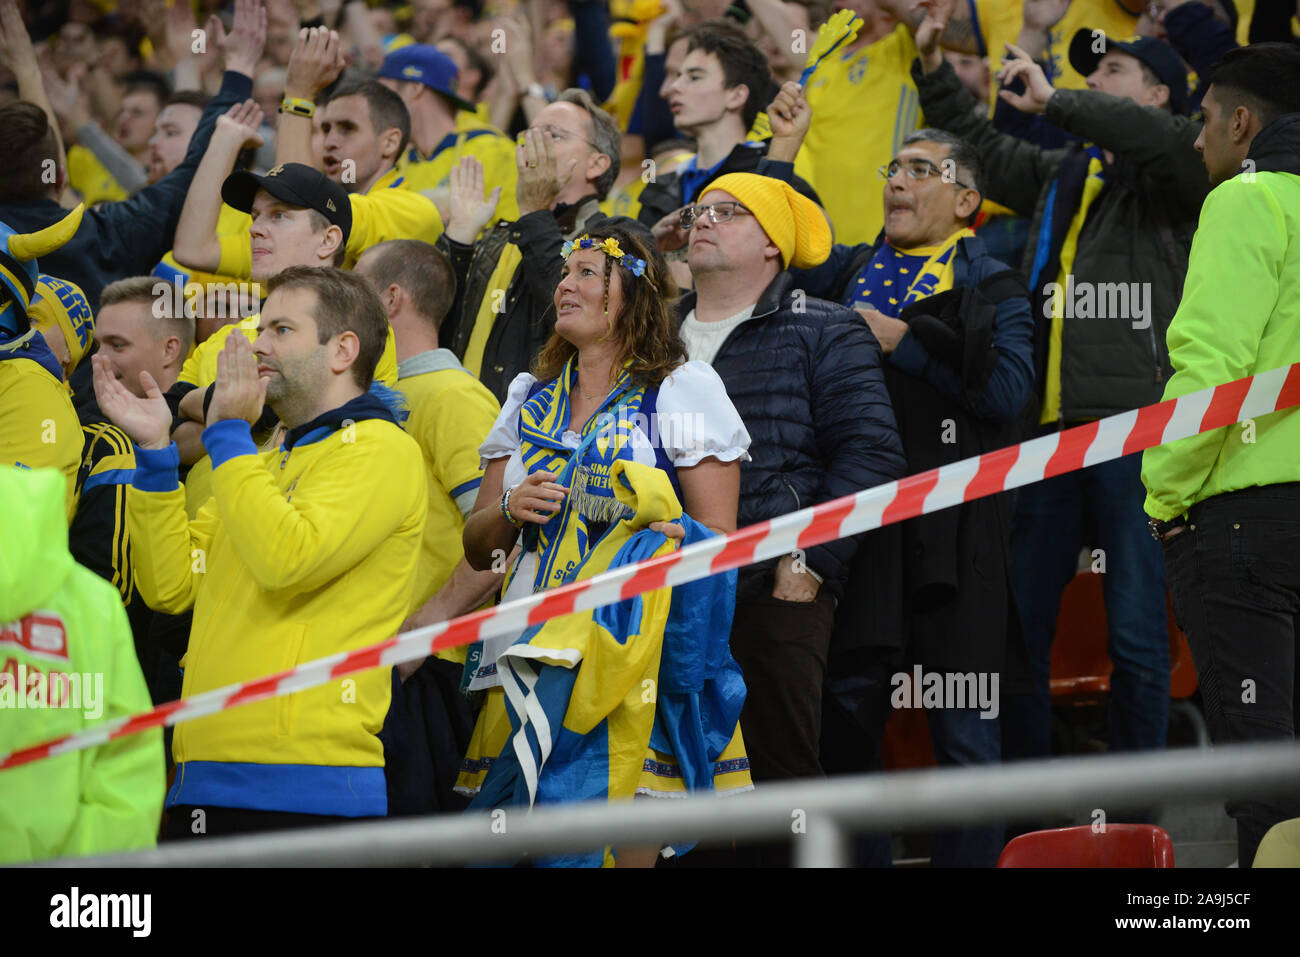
(62, 303)
(791, 220)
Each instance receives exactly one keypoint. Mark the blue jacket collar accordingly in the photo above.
(365, 406)
(30, 345)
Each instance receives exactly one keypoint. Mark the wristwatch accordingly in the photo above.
(1160, 529)
(538, 91)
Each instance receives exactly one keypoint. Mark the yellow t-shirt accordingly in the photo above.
(864, 103)
(88, 176)
(386, 211)
(473, 137)
(451, 415)
(230, 222)
(1000, 22)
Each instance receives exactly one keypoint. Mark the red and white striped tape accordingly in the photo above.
(964, 481)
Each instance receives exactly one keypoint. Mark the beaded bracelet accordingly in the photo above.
(505, 509)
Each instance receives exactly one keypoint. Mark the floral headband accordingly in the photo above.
(610, 247)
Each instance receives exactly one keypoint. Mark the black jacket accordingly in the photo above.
(1138, 230)
(528, 315)
(116, 240)
(664, 194)
(938, 585)
(805, 375)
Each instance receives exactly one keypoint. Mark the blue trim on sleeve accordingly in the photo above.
(460, 490)
(290, 788)
(109, 477)
(157, 470)
(228, 439)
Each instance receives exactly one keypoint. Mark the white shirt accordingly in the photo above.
(704, 339)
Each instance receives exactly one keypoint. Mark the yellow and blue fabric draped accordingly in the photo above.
(587, 472)
(895, 277)
(590, 695)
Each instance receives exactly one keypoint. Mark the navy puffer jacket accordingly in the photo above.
(805, 376)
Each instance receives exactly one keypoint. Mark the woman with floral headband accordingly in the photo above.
(590, 466)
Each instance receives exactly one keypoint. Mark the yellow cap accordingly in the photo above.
(791, 220)
(63, 304)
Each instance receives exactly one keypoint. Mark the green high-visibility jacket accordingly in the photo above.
(1240, 314)
(67, 662)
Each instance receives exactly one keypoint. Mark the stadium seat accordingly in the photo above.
(1119, 845)
(1280, 847)
(1080, 665)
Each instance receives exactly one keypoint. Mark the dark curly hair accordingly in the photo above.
(645, 329)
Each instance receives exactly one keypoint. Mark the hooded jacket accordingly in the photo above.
(1240, 315)
(303, 551)
(59, 618)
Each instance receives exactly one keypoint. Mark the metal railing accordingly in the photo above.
(819, 816)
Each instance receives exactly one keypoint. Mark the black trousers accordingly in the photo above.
(1235, 579)
(781, 646)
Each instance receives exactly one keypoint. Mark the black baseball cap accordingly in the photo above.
(296, 184)
(1156, 54)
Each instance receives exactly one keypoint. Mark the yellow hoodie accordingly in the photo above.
(303, 551)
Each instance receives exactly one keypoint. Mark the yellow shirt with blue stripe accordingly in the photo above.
(230, 223)
(471, 137)
(451, 413)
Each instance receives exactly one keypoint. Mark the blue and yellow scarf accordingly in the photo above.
(587, 472)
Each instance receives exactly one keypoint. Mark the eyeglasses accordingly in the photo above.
(918, 169)
(556, 133)
(719, 213)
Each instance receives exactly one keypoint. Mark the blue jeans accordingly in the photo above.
(861, 693)
(1052, 520)
(962, 738)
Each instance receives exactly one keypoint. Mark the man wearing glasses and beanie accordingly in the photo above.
(806, 377)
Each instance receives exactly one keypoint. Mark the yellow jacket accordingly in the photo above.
(304, 551)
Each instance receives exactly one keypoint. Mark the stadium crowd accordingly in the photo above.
(325, 321)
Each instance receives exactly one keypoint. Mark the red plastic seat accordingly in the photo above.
(1080, 664)
(1120, 845)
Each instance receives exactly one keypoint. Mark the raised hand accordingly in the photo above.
(241, 122)
(1042, 15)
(315, 63)
(789, 114)
(668, 232)
(147, 421)
(1038, 89)
(937, 15)
(242, 47)
(540, 179)
(240, 392)
(470, 211)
